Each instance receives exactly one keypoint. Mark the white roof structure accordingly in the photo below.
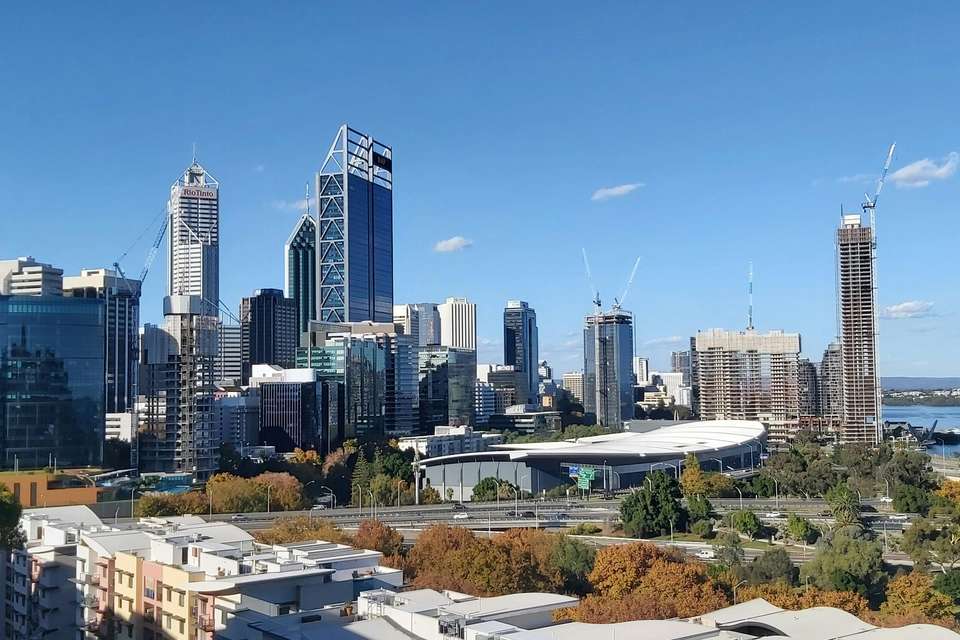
(79, 515)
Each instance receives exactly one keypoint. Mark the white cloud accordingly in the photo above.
(908, 309)
(293, 205)
(605, 193)
(488, 342)
(456, 243)
(664, 340)
(922, 172)
(859, 178)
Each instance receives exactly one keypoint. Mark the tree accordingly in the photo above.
(745, 522)
(845, 505)
(429, 495)
(618, 570)
(373, 534)
(948, 583)
(486, 490)
(360, 479)
(728, 549)
(654, 509)
(699, 508)
(799, 529)
(691, 480)
(773, 565)
(950, 489)
(847, 562)
(684, 585)
(300, 529)
(574, 560)
(910, 499)
(781, 594)
(913, 593)
(935, 544)
(11, 536)
(605, 610)
(703, 529)
(286, 492)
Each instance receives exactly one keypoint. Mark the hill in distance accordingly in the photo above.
(910, 383)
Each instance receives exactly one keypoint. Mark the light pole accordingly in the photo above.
(210, 499)
(741, 496)
(887, 494)
(268, 498)
(776, 490)
(133, 492)
(737, 586)
(332, 494)
(516, 502)
(356, 485)
(399, 482)
(373, 504)
(719, 462)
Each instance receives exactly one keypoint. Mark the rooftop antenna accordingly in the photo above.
(750, 297)
(194, 153)
(307, 201)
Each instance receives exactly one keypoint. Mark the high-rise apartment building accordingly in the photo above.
(429, 319)
(447, 381)
(520, 346)
(746, 375)
(484, 402)
(121, 300)
(680, 363)
(641, 370)
(607, 367)
(27, 277)
(300, 270)
(406, 318)
(355, 230)
(228, 364)
(856, 283)
(830, 383)
(193, 230)
(268, 330)
(458, 323)
(51, 381)
(573, 382)
(809, 389)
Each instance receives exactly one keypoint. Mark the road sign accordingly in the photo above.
(574, 471)
(583, 482)
(588, 472)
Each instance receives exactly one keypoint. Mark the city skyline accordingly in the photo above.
(765, 166)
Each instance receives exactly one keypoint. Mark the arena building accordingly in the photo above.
(616, 461)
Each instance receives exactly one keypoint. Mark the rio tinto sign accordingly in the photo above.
(197, 192)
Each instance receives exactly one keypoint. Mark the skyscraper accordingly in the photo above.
(858, 316)
(607, 367)
(680, 363)
(830, 383)
(447, 393)
(228, 365)
(429, 318)
(573, 382)
(355, 230)
(268, 330)
(194, 237)
(406, 317)
(121, 298)
(458, 323)
(641, 370)
(520, 346)
(809, 389)
(745, 375)
(300, 270)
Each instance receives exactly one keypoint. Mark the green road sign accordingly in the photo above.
(583, 482)
(588, 472)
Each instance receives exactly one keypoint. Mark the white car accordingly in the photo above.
(886, 499)
(899, 517)
(462, 516)
(706, 554)
(773, 514)
(318, 507)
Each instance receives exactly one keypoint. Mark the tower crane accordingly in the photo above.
(618, 304)
(870, 204)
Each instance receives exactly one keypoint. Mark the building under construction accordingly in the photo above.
(746, 375)
(608, 367)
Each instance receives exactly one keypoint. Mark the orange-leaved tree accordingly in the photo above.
(619, 569)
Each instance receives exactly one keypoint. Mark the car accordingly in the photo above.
(560, 516)
(886, 499)
(528, 514)
(512, 514)
(706, 554)
(459, 506)
(318, 507)
(461, 516)
(773, 514)
(238, 517)
(899, 517)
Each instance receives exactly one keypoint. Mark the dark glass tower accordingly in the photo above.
(268, 331)
(300, 268)
(51, 381)
(520, 347)
(355, 230)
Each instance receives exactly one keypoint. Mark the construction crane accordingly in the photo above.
(870, 204)
(618, 304)
(154, 250)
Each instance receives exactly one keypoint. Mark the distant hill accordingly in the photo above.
(909, 383)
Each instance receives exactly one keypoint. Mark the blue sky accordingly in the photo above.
(734, 132)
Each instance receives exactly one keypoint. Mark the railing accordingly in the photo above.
(206, 623)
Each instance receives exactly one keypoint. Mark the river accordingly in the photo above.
(920, 415)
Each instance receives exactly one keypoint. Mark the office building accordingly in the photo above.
(177, 431)
(830, 383)
(406, 318)
(671, 382)
(447, 378)
(856, 284)
(27, 277)
(236, 416)
(402, 390)
(429, 318)
(484, 402)
(228, 364)
(807, 379)
(458, 323)
(608, 359)
(268, 331)
(746, 375)
(641, 370)
(680, 363)
(355, 230)
(51, 381)
(121, 302)
(573, 382)
(520, 346)
(545, 371)
(300, 270)
(193, 232)
(447, 441)
(509, 386)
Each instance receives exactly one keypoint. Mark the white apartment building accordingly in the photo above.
(458, 323)
(26, 277)
(573, 382)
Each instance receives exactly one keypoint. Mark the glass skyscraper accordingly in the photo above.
(268, 331)
(520, 347)
(300, 268)
(607, 367)
(448, 376)
(51, 381)
(355, 230)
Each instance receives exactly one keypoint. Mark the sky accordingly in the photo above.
(696, 136)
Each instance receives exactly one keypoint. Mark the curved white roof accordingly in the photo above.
(671, 441)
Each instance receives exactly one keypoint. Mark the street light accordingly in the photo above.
(373, 504)
(719, 462)
(210, 498)
(741, 495)
(268, 498)
(516, 501)
(356, 485)
(133, 492)
(737, 586)
(332, 494)
(399, 482)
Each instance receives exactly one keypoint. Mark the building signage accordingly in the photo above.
(196, 192)
(382, 161)
(573, 471)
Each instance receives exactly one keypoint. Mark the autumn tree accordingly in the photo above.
(300, 529)
(781, 594)
(595, 609)
(912, 594)
(691, 480)
(374, 534)
(286, 492)
(619, 569)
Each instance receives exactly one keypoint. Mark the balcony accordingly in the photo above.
(206, 623)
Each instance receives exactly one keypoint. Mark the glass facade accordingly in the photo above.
(608, 367)
(51, 381)
(447, 379)
(301, 271)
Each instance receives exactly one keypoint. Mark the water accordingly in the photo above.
(919, 415)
